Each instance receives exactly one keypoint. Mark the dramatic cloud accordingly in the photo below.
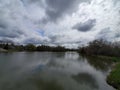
(57, 8)
(69, 23)
(15, 23)
(86, 26)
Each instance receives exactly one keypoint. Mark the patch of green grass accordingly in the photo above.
(115, 59)
(114, 77)
(107, 58)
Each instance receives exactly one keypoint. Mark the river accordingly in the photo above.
(52, 71)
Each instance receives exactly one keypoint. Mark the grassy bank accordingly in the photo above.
(114, 77)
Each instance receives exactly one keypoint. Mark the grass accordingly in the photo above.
(113, 59)
(114, 77)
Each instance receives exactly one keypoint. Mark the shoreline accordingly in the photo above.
(113, 78)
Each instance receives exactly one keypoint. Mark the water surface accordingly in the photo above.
(52, 71)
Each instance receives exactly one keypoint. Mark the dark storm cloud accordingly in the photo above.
(2, 25)
(86, 26)
(57, 8)
(7, 32)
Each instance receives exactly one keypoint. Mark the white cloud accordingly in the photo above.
(16, 23)
(25, 21)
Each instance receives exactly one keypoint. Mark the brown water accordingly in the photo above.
(52, 71)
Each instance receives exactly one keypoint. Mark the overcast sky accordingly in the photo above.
(70, 23)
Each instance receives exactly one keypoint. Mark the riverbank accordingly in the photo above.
(114, 77)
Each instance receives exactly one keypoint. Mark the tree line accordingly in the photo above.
(101, 47)
(96, 47)
(32, 47)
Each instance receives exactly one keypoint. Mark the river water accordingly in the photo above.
(52, 71)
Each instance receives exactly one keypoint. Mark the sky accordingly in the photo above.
(69, 23)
